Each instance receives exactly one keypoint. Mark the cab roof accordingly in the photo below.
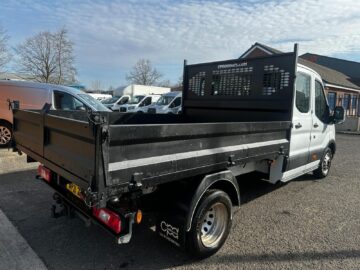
(39, 85)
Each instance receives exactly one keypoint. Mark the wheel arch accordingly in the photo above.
(5, 121)
(224, 181)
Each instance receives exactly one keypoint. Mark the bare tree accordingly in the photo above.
(5, 56)
(143, 73)
(66, 70)
(180, 81)
(165, 83)
(48, 57)
(96, 85)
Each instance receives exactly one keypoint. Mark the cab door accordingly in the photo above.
(301, 124)
(320, 119)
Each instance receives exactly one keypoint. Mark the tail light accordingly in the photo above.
(44, 173)
(109, 218)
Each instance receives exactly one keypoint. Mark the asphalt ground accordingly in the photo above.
(304, 224)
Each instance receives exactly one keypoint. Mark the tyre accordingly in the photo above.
(5, 134)
(325, 164)
(211, 224)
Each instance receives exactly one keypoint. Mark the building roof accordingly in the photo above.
(262, 47)
(329, 75)
(350, 68)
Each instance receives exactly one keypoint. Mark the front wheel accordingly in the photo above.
(325, 164)
(210, 225)
(5, 134)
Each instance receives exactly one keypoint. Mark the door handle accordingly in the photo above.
(298, 125)
(316, 125)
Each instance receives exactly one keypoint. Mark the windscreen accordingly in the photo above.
(135, 99)
(165, 100)
(97, 105)
(110, 100)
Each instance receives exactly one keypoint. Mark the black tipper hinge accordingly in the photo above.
(93, 198)
(104, 134)
(231, 160)
(136, 181)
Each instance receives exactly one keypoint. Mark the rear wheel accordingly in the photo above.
(325, 164)
(5, 133)
(210, 225)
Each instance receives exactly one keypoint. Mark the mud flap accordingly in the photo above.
(172, 227)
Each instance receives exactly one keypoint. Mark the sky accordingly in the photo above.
(111, 35)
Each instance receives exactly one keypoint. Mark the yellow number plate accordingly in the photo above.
(74, 189)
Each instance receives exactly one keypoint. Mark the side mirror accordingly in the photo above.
(339, 115)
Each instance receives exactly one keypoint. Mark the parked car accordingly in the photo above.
(168, 103)
(32, 95)
(139, 104)
(115, 102)
(267, 115)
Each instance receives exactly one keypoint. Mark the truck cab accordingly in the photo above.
(313, 130)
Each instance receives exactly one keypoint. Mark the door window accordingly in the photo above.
(321, 107)
(302, 98)
(146, 102)
(65, 101)
(124, 100)
(176, 103)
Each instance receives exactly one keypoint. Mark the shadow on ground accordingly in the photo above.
(67, 244)
(291, 257)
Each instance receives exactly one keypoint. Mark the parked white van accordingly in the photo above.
(115, 102)
(137, 93)
(169, 103)
(33, 95)
(140, 103)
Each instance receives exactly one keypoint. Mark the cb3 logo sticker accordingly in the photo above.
(169, 230)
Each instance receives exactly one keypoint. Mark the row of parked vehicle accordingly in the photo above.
(168, 103)
(33, 95)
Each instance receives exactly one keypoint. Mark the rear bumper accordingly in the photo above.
(72, 206)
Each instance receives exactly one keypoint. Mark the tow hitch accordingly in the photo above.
(60, 209)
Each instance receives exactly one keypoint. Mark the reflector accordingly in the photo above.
(44, 173)
(109, 218)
